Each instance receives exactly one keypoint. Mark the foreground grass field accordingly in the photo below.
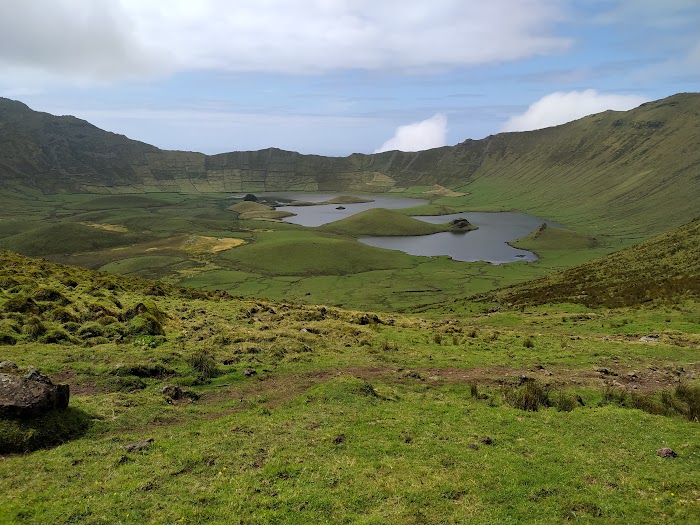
(313, 414)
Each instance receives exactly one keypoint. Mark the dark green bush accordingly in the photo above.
(55, 335)
(690, 395)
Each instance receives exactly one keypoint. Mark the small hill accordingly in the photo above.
(68, 238)
(666, 267)
(551, 238)
(381, 222)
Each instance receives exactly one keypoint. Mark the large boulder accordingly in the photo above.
(25, 392)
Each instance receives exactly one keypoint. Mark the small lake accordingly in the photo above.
(488, 243)
(325, 213)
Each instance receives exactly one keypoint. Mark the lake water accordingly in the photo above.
(325, 213)
(488, 243)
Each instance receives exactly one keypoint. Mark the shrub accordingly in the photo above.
(55, 335)
(564, 402)
(50, 295)
(691, 396)
(530, 396)
(529, 343)
(203, 364)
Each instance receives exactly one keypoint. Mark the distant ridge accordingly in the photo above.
(640, 167)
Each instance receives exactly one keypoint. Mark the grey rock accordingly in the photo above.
(28, 393)
(139, 445)
(666, 453)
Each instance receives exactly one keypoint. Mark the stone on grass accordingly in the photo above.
(25, 392)
(666, 453)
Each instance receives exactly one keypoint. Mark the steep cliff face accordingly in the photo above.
(614, 163)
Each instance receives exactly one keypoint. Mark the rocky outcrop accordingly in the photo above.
(25, 392)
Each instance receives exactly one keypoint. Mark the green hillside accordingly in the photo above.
(634, 172)
(666, 267)
(309, 414)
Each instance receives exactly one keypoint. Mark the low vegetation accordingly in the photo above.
(285, 412)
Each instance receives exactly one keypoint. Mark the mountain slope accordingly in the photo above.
(666, 267)
(637, 171)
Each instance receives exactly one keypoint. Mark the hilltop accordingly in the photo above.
(636, 168)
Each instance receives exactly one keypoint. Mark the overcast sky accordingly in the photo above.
(335, 77)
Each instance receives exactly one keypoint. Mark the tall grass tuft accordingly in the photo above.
(203, 364)
(531, 396)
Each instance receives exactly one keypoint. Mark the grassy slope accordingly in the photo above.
(307, 253)
(334, 427)
(664, 267)
(379, 221)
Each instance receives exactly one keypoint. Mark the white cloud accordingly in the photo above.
(77, 39)
(558, 108)
(117, 38)
(426, 134)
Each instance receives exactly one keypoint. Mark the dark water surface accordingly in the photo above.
(488, 243)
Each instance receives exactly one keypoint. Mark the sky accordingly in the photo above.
(334, 77)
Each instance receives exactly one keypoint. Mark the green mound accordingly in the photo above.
(666, 267)
(379, 221)
(552, 238)
(66, 238)
(344, 390)
(303, 253)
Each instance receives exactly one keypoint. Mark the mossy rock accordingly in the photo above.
(145, 324)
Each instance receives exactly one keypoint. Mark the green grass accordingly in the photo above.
(302, 253)
(351, 416)
(67, 238)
